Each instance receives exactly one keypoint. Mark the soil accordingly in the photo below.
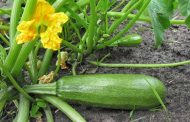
(176, 48)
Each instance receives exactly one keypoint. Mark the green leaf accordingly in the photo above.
(184, 7)
(187, 21)
(164, 20)
(34, 111)
(41, 104)
(104, 5)
(170, 6)
(159, 13)
(3, 95)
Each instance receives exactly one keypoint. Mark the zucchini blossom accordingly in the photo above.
(44, 23)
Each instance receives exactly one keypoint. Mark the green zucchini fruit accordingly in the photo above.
(117, 91)
(132, 40)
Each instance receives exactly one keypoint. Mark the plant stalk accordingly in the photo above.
(23, 111)
(22, 57)
(64, 107)
(122, 18)
(15, 48)
(145, 19)
(14, 82)
(15, 16)
(49, 116)
(140, 65)
(92, 26)
(45, 63)
(126, 28)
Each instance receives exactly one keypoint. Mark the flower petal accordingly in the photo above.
(50, 39)
(57, 19)
(28, 32)
(43, 10)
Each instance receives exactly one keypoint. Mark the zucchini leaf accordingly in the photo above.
(184, 8)
(104, 5)
(159, 11)
(187, 21)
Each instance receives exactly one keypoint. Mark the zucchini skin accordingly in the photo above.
(132, 40)
(116, 91)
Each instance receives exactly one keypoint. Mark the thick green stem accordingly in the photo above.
(122, 18)
(33, 67)
(14, 82)
(15, 48)
(74, 66)
(21, 59)
(23, 110)
(58, 64)
(140, 65)
(15, 16)
(41, 88)
(5, 94)
(45, 63)
(92, 26)
(4, 27)
(64, 107)
(146, 19)
(49, 116)
(126, 28)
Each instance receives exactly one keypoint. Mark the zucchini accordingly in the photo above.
(117, 91)
(132, 40)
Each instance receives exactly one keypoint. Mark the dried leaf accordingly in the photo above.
(46, 78)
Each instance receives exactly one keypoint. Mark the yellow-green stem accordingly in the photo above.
(146, 19)
(64, 107)
(126, 28)
(92, 26)
(23, 111)
(140, 65)
(22, 57)
(14, 82)
(122, 18)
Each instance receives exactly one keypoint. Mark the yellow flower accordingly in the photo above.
(45, 23)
